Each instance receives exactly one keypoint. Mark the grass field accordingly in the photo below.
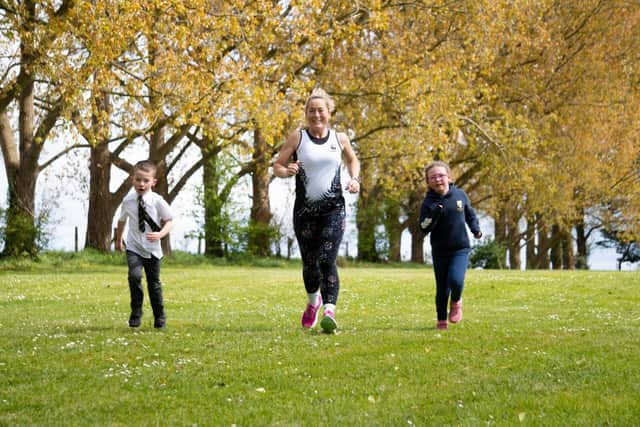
(534, 348)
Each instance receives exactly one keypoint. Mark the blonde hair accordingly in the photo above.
(437, 164)
(319, 93)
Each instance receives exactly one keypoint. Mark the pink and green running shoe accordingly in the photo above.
(328, 323)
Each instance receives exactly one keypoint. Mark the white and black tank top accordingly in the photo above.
(318, 187)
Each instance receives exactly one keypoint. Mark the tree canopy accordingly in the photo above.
(534, 105)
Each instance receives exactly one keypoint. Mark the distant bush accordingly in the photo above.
(489, 254)
(90, 258)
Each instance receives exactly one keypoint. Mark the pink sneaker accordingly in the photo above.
(328, 324)
(442, 324)
(310, 315)
(455, 313)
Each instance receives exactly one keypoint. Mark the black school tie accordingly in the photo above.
(143, 217)
(141, 214)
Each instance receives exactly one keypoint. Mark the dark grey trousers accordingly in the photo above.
(151, 268)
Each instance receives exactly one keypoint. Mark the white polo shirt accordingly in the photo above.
(157, 208)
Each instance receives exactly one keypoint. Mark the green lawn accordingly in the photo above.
(534, 348)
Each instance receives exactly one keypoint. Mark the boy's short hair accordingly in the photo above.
(436, 164)
(146, 166)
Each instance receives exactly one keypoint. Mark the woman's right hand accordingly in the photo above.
(293, 168)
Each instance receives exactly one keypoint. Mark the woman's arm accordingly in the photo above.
(282, 167)
(351, 161)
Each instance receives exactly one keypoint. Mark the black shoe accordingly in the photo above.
(134, 320)
(159, 322)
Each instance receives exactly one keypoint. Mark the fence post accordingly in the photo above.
(76, 239)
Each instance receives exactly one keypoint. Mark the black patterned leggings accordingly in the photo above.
(319, 239)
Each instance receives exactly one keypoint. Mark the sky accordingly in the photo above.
(64, 187)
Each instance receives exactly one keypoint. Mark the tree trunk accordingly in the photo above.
(102, 204)
(394, 231)
(568, 257)
(22, 169)
(544, 243)
(531, 256)
(21, 159)
(213, 221)
(556, 248)
(413, 206)
(156, 154)
(417, 242)
(500, 229)
(20, 231)
(218, 184)
(513, 237)
(515, 261)
(367, 219)
(259, 225)
(581, 246)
